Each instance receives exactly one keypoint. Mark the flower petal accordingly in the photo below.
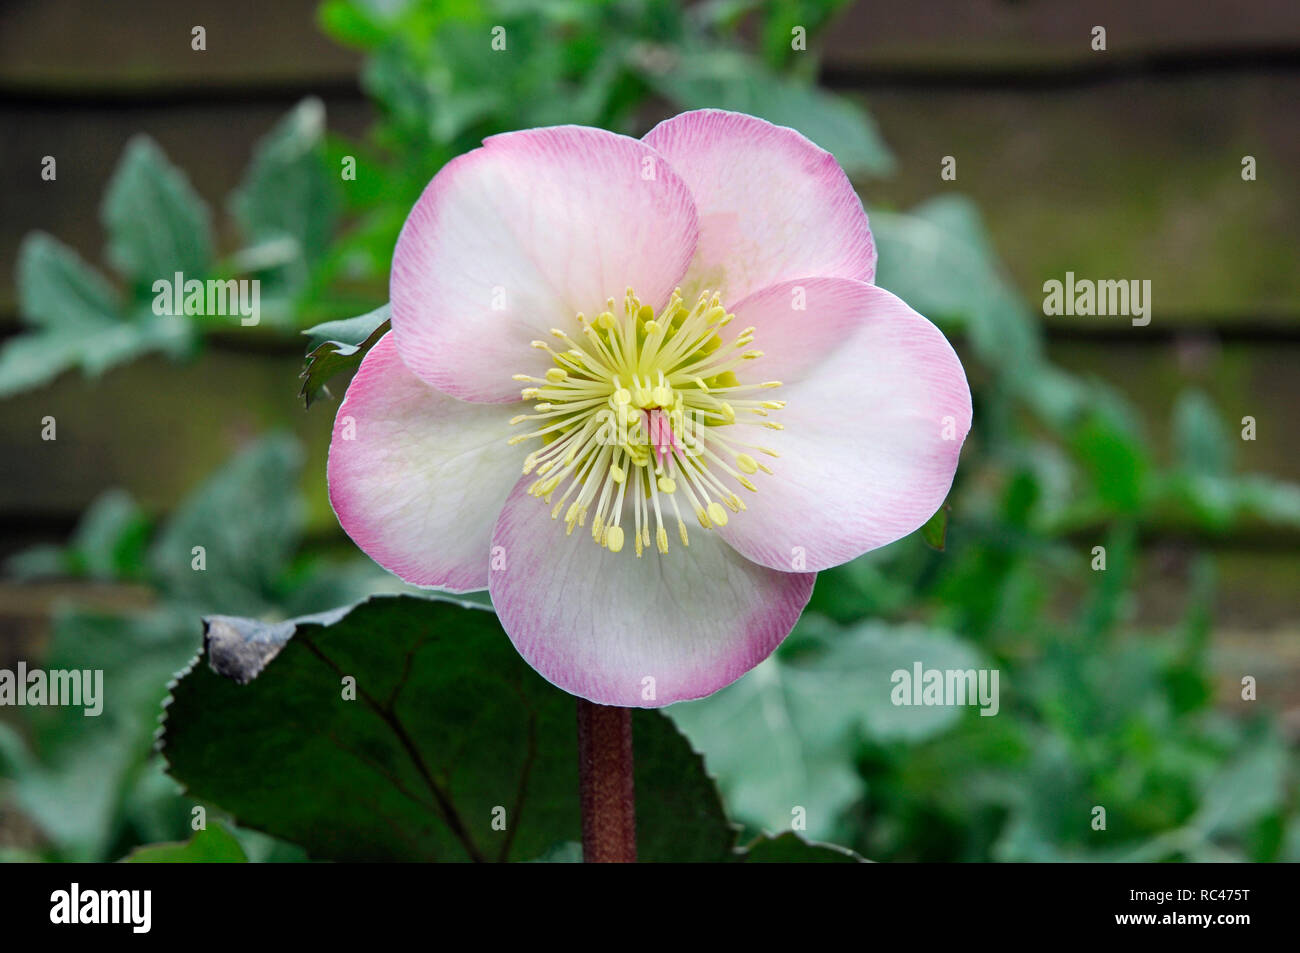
(417, 478)
(871, 433)
(599, 624)
(772, 205)
(517, 237)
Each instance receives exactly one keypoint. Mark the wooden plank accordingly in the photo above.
(1127, 181)
(76, 48)
(1254, 626)
(1134, 180)
(1241, 379)
(155, 428)
(981, 36)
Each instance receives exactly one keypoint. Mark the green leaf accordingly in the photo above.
(212, 845)
(784, 735)
(790, 848)
(31, 360)
(1200, 437)
(565, 852)
(1243, 790)
(157, 224)
(780, 17)
(288, 193)
(1220, 502)
(110, 539)
(77, 319)
(1276, 501)
(89, 774)
(935, 530)
(348, 332)
(939, 259)
(730, 80)
(337, 346)
(108, 544)
(351, 24)
(1112, 453)
(90, 782)
(247, 518)
(448, 725)
(57, 289)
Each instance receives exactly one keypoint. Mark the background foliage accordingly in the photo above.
(1096, 710)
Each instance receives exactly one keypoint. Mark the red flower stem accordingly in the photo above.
(605, 778)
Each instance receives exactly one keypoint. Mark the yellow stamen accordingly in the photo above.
(648, 410)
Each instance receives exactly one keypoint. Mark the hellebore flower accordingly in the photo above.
(642, 391)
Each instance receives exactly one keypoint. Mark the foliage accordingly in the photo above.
(157, 227)
(419, 734)
(1095, 710)
(91, 784)
(338, 346)
(442, 87)
(211, 845)
(319, 238)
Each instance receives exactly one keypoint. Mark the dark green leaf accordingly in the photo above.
(337, 346)
(449, 724)
(348, 332)
(1113, 455)
(352, 24)
(935, 530)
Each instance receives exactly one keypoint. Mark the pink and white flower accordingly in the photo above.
(642, 391)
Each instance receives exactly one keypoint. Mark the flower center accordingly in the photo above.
(647, 409)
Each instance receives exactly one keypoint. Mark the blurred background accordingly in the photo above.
(1121, 687)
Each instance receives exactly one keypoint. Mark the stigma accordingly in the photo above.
(644, 420)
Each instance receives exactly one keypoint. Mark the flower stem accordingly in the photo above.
(605, 778)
